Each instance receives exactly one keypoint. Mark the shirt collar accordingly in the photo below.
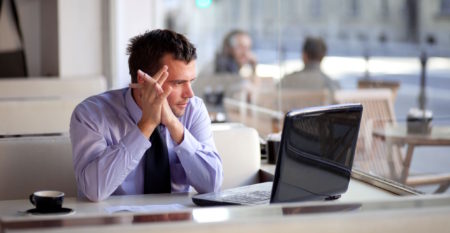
(313, 65)
(133, 108)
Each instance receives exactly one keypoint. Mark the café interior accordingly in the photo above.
(391, 57)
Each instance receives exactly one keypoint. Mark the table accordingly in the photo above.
(91, 214)
(423, 211)
(397, 135)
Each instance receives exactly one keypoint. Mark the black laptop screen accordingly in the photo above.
(326, 136)
(316, 153)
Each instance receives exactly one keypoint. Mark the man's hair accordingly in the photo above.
(315, 48)
(147, 50)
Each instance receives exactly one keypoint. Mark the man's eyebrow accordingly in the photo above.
(183, 80)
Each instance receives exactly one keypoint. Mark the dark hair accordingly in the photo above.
(147, 50)
(314, 48)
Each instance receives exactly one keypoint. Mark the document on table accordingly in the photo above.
(144, 208)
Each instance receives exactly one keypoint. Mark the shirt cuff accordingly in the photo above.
(136, 143)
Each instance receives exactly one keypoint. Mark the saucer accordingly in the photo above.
(61, 211)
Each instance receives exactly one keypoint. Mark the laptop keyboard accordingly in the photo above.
(253, 197)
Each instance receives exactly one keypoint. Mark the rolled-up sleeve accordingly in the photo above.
(198, 154)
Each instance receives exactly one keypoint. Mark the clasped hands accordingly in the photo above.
(152, 98)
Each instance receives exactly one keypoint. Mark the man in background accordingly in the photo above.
(311, 77)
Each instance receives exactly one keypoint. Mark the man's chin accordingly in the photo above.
(178, 112)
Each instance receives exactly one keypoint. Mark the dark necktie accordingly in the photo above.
(156, 165)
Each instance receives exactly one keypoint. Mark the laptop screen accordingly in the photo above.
(316, 153)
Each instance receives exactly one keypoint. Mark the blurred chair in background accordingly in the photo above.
(371, 152)
(370, 83)
(288, 99)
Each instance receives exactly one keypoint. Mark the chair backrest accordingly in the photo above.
(371, 153)
(288, 99)
(392, 85)
(51, 87)
(43, 105)
(28, 164)
(264, 120)
(239, 149)
(36, 116)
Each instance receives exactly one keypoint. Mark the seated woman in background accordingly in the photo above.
(236, 53)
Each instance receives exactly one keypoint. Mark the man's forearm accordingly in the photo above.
(176, 130)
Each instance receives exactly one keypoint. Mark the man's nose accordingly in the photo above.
(188, 92)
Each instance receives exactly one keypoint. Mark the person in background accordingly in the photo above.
(311, 77)
(152, 137)
(236, 53)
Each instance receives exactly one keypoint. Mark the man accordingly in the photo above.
(311, 77)
(110, 132)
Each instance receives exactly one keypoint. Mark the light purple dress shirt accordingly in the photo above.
(108, 148)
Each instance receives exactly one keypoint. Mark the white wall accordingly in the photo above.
(130, 18)
(80, 38)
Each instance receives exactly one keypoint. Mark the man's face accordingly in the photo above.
(181, 76)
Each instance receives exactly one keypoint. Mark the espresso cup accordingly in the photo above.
(47, 201)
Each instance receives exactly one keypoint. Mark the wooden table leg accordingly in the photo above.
(407, 163)
(390, 148)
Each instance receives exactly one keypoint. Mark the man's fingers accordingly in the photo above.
(145, 77)
(163, 78)
(135, 85)
(160, 72)
(158, 88)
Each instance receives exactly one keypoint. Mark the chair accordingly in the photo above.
(39, 106)
(264, 120)
(372, 153)
(239, 149)
(288, 99)
(82, 87)
(28, 164)
(369, 83)
(36, 116)
(262, 110)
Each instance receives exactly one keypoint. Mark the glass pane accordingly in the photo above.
(299, 53)
(377, 63)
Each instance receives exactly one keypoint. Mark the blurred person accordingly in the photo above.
(311, 77)
(230, 74)
(152, 137)
(236, 53)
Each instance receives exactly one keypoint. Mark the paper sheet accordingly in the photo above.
(144, 208)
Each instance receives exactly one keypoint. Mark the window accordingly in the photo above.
(445, 7)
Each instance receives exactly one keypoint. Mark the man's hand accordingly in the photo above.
(151, 98)
(176, 129)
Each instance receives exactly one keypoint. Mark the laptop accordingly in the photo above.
(315, 159)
